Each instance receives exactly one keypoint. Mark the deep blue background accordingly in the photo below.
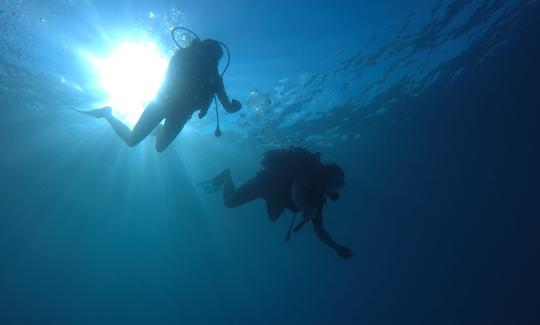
(441, 212)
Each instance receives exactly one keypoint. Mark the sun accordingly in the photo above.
(130, 76)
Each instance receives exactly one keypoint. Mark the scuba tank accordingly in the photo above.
(217, 132)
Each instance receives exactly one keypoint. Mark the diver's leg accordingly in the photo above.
(149, 119)
(233, 197)
(169, 131)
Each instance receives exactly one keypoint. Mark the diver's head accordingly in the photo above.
(211, 50)
(334, 179)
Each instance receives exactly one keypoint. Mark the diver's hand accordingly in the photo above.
(344, 252)
(334, 196)
(202, 113)
(235, 106)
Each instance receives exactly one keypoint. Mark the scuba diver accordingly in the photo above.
(293, 179)
(191, 82)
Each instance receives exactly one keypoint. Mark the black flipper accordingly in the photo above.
(215, 183)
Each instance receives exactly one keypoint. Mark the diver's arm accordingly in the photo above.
(230, 106)
(325, 237)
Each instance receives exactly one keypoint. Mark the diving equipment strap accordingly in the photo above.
(288, 236)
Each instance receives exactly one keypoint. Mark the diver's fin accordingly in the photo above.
(208, 186)
(213, 185)
(97, 113)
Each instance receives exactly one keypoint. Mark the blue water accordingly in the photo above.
(430, 107)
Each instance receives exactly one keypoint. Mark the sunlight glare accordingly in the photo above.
(131, 77)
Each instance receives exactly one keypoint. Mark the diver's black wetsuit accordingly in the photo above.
(282, 168)
(190, 85)
(191, 81)
(293, 179)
